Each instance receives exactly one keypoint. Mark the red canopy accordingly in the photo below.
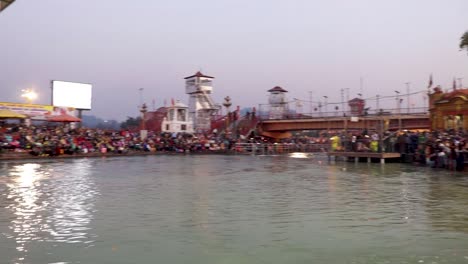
(62, 118)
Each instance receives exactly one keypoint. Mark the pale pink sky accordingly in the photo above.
(249, 46)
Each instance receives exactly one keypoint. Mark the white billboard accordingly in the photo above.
(71, 94)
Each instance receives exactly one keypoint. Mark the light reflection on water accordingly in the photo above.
(49, 205)
(231, 209)
(24, 192)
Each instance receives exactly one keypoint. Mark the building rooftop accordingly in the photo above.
(356, 100)
(199, 74)
(462, 93)
(178, 104)
(277, 89)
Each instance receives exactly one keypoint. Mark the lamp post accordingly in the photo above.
(342, 101)
(143, 111)
(398, 108)
(347, 100)
(326, 105)
(381, 130)
(227, 103)
(377, 105)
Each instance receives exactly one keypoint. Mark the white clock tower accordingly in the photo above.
(278, 103)
(201, 107)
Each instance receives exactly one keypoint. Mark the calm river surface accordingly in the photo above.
(230, 209)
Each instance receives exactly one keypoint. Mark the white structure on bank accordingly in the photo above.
(278, 103)
(201, 107)
(177, 119)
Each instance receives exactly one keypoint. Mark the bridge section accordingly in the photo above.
(376, 122)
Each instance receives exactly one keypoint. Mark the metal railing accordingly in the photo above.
(264, 113)
(277, 148)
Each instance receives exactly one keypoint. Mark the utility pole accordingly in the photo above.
(398, 109)
(361, 85)
(326, 104)
(310, 103)
(377, 103)
(460, 82)
(407, 97)
(347, 99)
(342, 101)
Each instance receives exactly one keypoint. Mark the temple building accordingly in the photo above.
(356, 106)
(154, 119)
(180, 118)
(449, 110)
(177, 119)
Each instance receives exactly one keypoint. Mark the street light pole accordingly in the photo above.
(143, 111)
(347, 100)
(377, 103)
(407, 97)
(398, 108)
(310, 103)
(326, 104)
(227, 103)
(342, 101)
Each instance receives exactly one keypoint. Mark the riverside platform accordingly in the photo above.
(368, 155)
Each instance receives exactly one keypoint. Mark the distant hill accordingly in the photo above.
(96, 122)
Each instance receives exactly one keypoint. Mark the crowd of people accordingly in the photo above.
(62, 140)
(438, 149)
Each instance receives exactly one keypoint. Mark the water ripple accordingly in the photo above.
(45, 204)
(230, 209)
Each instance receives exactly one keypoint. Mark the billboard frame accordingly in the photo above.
(79, 109)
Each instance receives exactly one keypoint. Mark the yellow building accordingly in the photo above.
(449, 110)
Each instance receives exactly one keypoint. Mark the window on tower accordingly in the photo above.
(171, 114)
(180, 114)
(206, 82)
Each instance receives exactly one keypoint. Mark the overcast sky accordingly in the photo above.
(249, 46)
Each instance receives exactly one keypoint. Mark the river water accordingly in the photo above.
(230, 209)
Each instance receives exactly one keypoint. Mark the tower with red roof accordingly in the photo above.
(278, 103)
(201, 106)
